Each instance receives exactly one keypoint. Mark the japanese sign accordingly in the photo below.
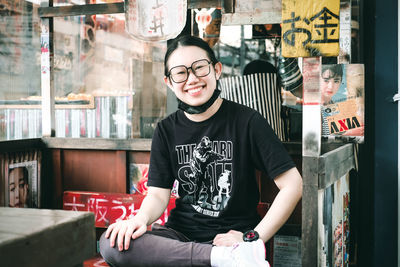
(109, 207)
(97, 261)
(345, 32)
(310, 28)
(311, 107)
(155, 20)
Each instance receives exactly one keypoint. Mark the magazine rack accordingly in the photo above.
(319, 173)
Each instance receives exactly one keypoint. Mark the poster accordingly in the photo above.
(311, 145)
(22, 185)
(138, 175)
(206, 24)
(287, 251)
(334, 227)
(342, 93)
(263, 31)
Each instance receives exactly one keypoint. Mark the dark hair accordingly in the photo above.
(25, 173)
(259, 66)
(335, 69)
(188, 40)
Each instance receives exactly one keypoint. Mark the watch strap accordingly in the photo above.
(250, 236)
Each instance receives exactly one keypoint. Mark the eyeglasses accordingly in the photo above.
(180, 74)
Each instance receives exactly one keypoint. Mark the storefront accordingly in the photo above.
(79, 94)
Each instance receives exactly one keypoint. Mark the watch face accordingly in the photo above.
(250, 236)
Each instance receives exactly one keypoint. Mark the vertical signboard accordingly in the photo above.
(310, 28)
(46, 79)
(311, 107)
(345, 32)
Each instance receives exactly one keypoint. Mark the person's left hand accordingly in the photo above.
(228, 239)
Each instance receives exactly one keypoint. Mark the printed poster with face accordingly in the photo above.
(342, 99)
(22, 185)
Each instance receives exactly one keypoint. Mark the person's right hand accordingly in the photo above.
(123, 231)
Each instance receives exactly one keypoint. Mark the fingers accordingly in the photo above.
(114, 231)
(122, 232)
(121, 237)
(221, 240)
(140, 231)
(228, 239)
(128, 236)
(109, 229)
(216, 239)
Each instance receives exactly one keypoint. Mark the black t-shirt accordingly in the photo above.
(213, 165)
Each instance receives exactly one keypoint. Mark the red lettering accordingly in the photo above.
(343, 126)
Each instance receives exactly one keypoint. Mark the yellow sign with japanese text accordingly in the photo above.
(310, 28)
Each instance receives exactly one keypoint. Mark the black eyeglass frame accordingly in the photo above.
(187, 70)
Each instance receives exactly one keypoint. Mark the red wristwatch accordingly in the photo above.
(250, 236)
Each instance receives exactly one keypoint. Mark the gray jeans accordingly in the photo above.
(159, 247)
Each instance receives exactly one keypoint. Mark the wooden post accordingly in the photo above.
(309, 223)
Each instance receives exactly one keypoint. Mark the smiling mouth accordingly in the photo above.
(194, 91)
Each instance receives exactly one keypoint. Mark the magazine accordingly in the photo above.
(334, 224)
(22, 185)
(342, 99)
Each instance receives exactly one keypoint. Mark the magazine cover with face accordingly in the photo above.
(342, 100)
(22, 189)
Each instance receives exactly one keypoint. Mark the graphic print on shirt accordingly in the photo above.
(205, 175)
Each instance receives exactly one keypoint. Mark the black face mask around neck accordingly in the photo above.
(198, 109)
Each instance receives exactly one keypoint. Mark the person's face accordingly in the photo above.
(329, 85)
(195, 91)
(18, 188)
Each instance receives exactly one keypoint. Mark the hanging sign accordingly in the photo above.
(345, 32)
(203, 19)
(251, 12)
(310, 28)
(155, 20)
(311, 107)
(206, 24)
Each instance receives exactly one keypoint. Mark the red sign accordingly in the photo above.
(97, 261)
(109, 207)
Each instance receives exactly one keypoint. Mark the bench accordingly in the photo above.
(111, 207)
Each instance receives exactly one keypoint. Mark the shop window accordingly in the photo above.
(113, 84)
(20, 115)
(106, 84)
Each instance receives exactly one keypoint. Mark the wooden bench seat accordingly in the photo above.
(111, 207)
